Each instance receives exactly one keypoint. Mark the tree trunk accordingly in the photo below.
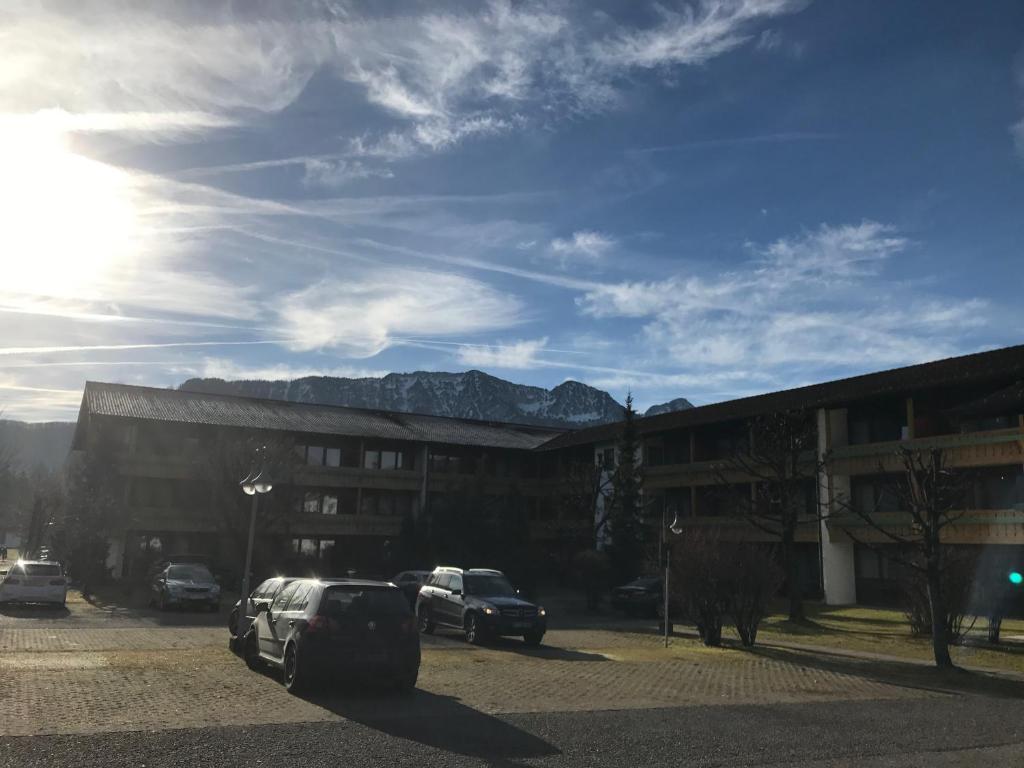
(937, 603)
(995, 623)
(793, 590)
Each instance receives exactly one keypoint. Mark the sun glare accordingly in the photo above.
(68, 220)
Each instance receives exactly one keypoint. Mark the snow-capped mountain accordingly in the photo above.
(471, 395)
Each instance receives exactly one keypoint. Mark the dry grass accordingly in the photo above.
(885, 631)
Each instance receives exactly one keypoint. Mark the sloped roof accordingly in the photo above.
(180, 407)
(999, 365)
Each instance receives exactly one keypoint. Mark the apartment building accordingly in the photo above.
(357, 476)
(971, 407)
(362, 474)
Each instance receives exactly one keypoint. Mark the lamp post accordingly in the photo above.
(666, 550)
(253, 485)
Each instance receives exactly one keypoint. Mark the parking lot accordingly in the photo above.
(89, 671)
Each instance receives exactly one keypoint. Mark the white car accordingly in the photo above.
(30, 581)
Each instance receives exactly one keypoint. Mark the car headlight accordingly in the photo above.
(541, 611)
(489, 610)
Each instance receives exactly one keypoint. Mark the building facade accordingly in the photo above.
(360, 476)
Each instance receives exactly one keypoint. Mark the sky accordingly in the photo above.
(678, 199)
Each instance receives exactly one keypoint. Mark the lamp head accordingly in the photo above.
(675, 527)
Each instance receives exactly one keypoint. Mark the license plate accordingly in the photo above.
(521, 625)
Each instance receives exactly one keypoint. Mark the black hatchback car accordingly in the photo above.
(343, 628)
(481, 603)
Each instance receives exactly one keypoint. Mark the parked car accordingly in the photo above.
(180, 559)
(33, 581)
(480, 602)
(640, 597)
(410, 582)
(189, 584)
(263, 594)
(336, 627)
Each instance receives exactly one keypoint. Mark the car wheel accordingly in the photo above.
(426, 620)
(475, 632)
(533, 639)
(233, 622)
(295, 677)
(251, 651)
(406, 682)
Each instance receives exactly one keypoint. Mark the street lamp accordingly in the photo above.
(677, 529)
(254, 484)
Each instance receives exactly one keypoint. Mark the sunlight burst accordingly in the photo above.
(69, 220)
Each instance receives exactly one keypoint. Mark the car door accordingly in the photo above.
(439, 597)
(271, 644)
(453, 601)
(288, 620)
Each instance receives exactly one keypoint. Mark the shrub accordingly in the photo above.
(755, 580)
(957, 587)
(702, 579)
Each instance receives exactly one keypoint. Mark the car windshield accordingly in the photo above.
(491, 586)
(42, 569)
(374, 601)
(188, 573)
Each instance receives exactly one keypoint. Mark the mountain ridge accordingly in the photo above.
(471, 394)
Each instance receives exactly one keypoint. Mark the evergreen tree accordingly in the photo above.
(625, 515)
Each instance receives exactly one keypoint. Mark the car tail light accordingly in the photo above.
(316, 623)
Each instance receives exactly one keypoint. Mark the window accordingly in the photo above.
(330, 504)
(606, 458)
(284, 596)
(327, 548)
(307, 547)
(300, 598)
(315, 455)
(442, 580)
(332, 457)
(311, 503)
(384, 459)
(455, 583)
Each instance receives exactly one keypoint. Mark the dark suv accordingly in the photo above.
(352, 628)
(480, 602)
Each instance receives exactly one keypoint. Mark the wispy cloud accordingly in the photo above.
(362, 314)
(515, 355)
(585, 244)
(812, 299)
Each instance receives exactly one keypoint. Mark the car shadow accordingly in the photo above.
(551, 652)
(33, 611)
(433, 720)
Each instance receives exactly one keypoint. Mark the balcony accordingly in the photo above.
(973, 449)
(977, 526)
(346, 525)
(357, 477)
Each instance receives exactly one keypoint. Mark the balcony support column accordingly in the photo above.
(838, 573)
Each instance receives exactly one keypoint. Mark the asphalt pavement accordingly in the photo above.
(965, 731)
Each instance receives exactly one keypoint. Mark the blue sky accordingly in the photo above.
(706, 200)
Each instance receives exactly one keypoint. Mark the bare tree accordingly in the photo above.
(229, 456)
(932, 497)
(766, 482)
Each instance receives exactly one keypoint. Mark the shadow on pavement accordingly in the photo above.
(513, 645)
(33, 611)
(441, 722)
(903, 674)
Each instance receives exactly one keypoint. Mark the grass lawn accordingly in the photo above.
(886, 631)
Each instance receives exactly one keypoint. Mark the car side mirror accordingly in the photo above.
(456, 592)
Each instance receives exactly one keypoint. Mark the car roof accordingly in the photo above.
(35, 562)
(332, 582)
(451, 569)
